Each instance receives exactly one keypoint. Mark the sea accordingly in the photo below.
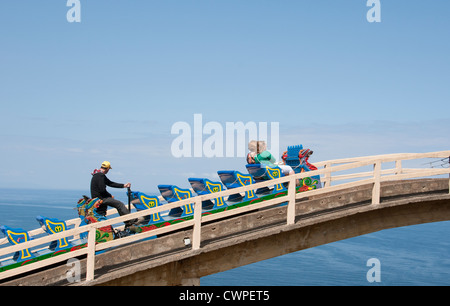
(415, 255)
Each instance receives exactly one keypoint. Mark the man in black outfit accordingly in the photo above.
(99, 182)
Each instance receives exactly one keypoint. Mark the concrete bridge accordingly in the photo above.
(373, 200)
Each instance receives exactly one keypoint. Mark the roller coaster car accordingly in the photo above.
(87, 211)
(91, 215)
(53, 226)
(205, 186)
(263, 172)
(297, 158)
(16, 236)
(28, 255)
(172, 193)
(234, 179)
(142, 201)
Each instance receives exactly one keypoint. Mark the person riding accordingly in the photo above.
(252, 146)
(99, 182)
(259, 155)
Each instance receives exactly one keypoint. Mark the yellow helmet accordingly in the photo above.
(106, 165)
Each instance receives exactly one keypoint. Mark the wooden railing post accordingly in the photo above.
(90, 263)
(449, 176)
(398, 167)
(291, 201)
(377, 182)
(327, 176)
(196, 234)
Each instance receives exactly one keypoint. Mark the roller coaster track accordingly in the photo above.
(360, 195)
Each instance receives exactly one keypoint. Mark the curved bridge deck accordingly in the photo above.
(263, 234)
(206, 244)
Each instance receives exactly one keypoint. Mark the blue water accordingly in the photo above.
(413, 255)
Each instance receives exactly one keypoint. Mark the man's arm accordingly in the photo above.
(110, 183)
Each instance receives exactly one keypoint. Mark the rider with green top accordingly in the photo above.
(259, 155)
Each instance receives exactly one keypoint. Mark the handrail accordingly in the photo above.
(376, 176)
(386, 157)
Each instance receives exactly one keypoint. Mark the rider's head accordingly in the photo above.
(106, 165)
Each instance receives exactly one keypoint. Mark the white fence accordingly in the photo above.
(325, 169)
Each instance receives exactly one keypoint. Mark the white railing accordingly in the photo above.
(375, 177)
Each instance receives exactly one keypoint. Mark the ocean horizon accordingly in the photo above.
(416, 255)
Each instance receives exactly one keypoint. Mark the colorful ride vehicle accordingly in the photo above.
(295, 156)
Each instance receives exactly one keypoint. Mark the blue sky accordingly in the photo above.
(112, 86)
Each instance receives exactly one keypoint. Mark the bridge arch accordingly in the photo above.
(380, 199)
